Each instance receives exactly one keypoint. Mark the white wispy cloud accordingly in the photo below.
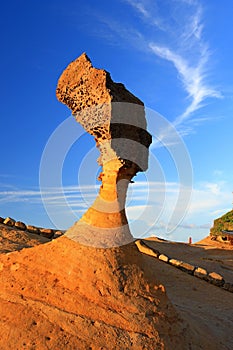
(75, 195)
(179, 41)
(6, 175)
(150, 206)
(189, 2)
(220, 212)
(209, 201)
(148, 13)
(192, 78)
(194, 27)
(140, 7)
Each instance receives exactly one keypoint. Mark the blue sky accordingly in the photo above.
(175, 55)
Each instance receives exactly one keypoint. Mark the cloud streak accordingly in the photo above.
(192, 77)
(149, 206)
(187, 51)
(53, 196)
(140, 7)
(194, 27)
(146, 13)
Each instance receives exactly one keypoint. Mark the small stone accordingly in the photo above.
(187, 267)
(215, 275)
(46, 232)
(175, 262)
(216, 279)
(228, 287)
(164, 258)
(144, 248)
(1, 220)
(33, 229)
(9, 221)
(161, 288)
(58, 234)
(200, 273)
(20, 225)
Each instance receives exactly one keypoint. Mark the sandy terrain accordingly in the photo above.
(62, 295)
(207, 308)
(12, 239)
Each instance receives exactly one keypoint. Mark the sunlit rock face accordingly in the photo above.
(116, 119)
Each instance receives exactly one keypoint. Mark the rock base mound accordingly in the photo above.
(62, 295)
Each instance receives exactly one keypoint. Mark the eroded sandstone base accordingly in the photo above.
(63, 295)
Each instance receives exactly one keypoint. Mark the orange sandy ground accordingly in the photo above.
(61, 295)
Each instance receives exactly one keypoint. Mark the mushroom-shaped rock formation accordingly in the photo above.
(116, 118)
(67, 295)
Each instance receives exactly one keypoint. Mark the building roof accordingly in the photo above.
(226, 232)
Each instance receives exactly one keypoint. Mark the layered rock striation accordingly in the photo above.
(116, 119)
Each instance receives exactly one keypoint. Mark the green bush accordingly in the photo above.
(219, 223)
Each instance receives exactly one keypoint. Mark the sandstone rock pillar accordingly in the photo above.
(116, 119)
